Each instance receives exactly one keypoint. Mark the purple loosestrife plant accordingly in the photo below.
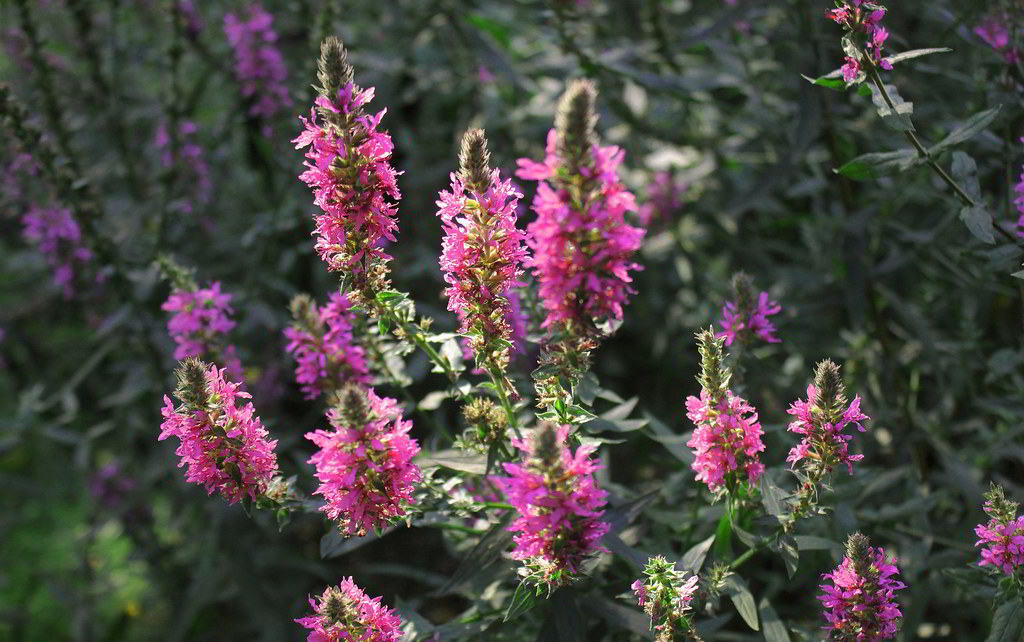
(347, 614)
(348, 167)
(863, 38)
(727, 438)
(582, 246)
(744, 318)
(558, 504)
(1002, 539)
(259, 65)
(666, 595)
(664, 199)
(194, 170)
(327, 354)
(224, 445)
(364, 464)
(821, 420)
(56, 233)
(860, 603)
(482, 254)
(994, 29)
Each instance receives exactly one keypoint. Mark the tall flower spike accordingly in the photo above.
(482, 251)
(327, 354)
(58, 236)
(200, 319)
(364, 464)
(582, 246)
(259, 64)
(665, 594)
(860, 604)
(224, 445)
(1002, 538)
(348, 167)
(345, 614)
(727, 437)
(822, 420)
(559, 507)
(864, 36)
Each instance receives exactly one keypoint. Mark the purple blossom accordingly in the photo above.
(666, 597)
(582, 249)
(223, 445)
(482, 256)
(348, 167)
(824, 440)
(558, 503)
(860, 602)
(727, 439)
(58, 237)
(741, 320)
(664, 198)
(1002, 538)
(326, 352)
(347, 614)
(364, 464)
(195, 172)
(259, 64)
(994, 30)
(198, 319)
(865, 23)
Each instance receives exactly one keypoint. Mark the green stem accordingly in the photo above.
(499, 505)
(746, 555)
(922, 151)
(499, 385)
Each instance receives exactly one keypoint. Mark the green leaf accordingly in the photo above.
(741, 596)
(772, 627)
(1019, 274)
(694, 558)
(789, 552)
(772, 497)
(389, 295)
(970, 128)
(487, 551)
(1008, 622)
(383, 325)
(833, 80)
(875, 164)
(723, 538)
(491, 27)
(897, 116)
(456, 460)
(915, 53)
(522, 601)
(979, 223)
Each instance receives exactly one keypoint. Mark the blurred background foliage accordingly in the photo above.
(103, 540)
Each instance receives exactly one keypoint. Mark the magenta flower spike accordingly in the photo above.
(664, 199)
(259, 65)
(482, 252)
(727, 438)
(348, 167)
(347, 614)
(192, 162)
(745, 318)
(865, 37)
(199, 318)
(666, 596)
(582, 246)
(559, 506)
(860, 603)
(327, 354)
(822, 420)
(1002, 539)
(58, 236)
(223, 444)
(364, 464)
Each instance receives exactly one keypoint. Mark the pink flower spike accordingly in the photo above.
(558, 503)
(347, 614)
(223, 444)
(364, 464)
